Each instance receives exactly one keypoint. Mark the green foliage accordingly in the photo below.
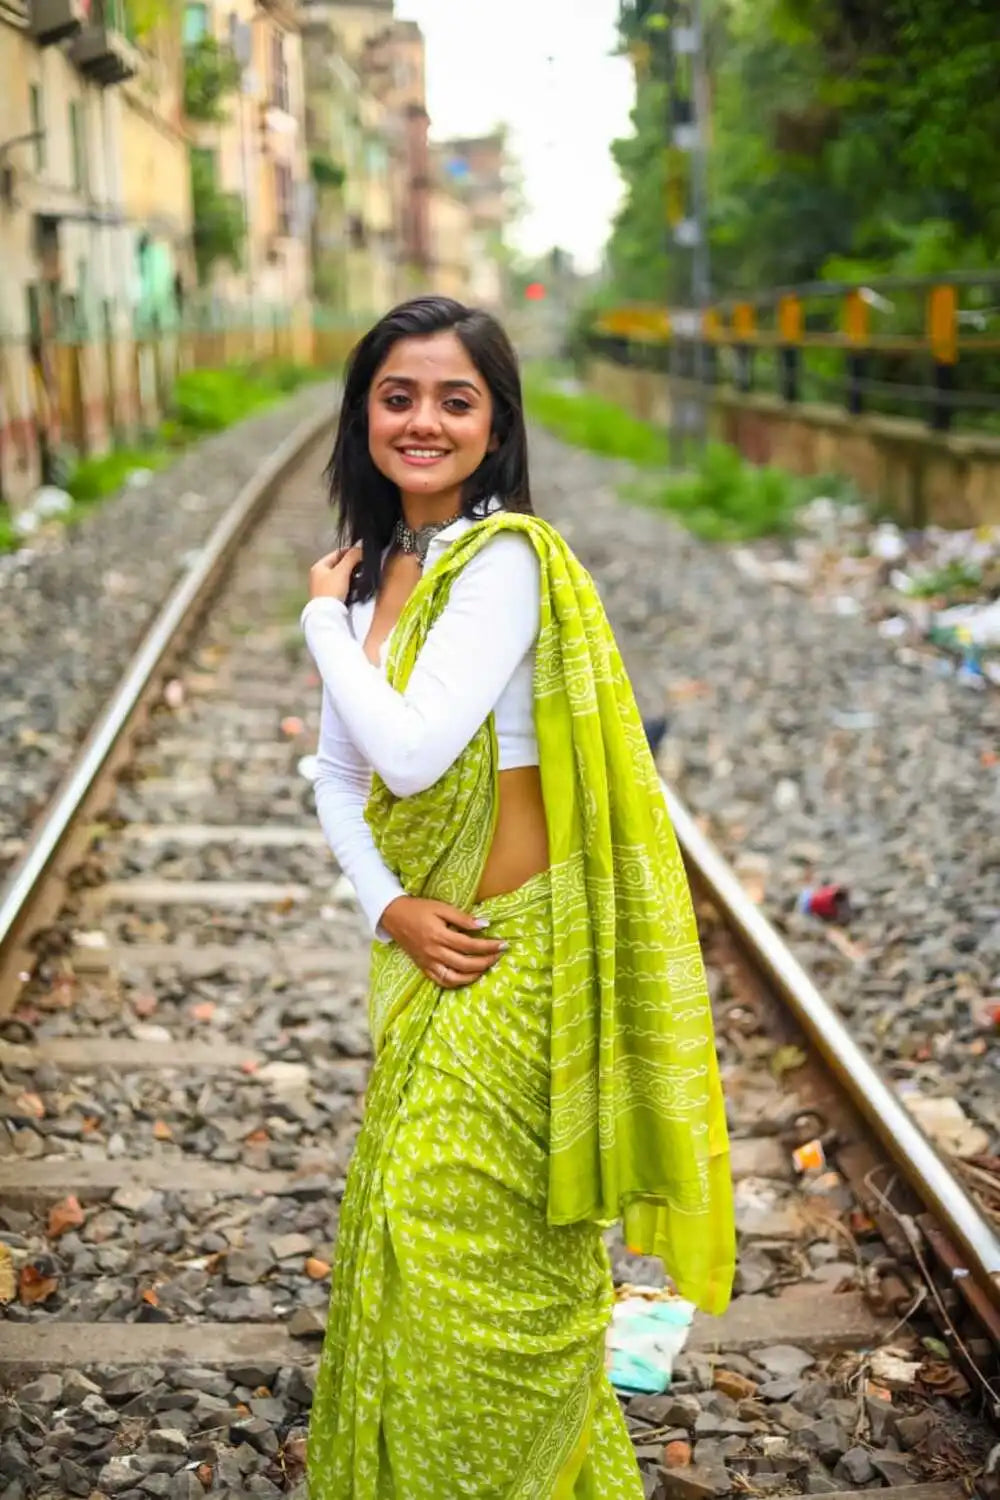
(209, 400)
(211, 71)
(727, 499)
(93, 478)
(219, 223)
(846, 136)
(9, 538)
(143, 18)
(586, 421)
(326, 172)
(953, 580)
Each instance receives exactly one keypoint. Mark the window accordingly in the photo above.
(37, 125)
(78, 148)
(283, 198)
(195, 24)
(279, 73)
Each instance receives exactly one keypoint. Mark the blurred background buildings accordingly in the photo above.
(243, 169)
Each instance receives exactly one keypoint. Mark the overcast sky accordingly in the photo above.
(545, 67)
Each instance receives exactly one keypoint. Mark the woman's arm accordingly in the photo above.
(342, 786)
(487, 627)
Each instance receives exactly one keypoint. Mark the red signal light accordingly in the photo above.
(534, 291)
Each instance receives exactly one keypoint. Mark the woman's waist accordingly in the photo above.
(519, 848)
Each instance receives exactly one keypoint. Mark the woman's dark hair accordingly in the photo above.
(367, 503)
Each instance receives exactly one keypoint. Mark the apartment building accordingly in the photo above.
(477, 168)
(251, 161)
(348, 134)
(69, 231)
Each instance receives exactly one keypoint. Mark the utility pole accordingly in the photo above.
(688, 88)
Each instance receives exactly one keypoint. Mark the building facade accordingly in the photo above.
(66, 237)
(348, 133)
(252, 161)
(477, 168)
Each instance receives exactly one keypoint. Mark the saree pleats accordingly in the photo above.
(464, 1356)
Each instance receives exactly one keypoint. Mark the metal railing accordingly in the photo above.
(924, 347)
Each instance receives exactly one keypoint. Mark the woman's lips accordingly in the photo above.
(422, 458)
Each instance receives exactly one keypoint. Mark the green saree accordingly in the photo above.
(509, 1122)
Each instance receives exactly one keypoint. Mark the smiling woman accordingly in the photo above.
(544, 1052)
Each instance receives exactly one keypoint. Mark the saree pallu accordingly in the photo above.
(473, 1330)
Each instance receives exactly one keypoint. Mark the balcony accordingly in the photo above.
(53, 21)
(101, 51)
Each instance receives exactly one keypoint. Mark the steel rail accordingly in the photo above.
(920, 1163)
(50, 834)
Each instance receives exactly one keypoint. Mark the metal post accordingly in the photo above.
(691, 135)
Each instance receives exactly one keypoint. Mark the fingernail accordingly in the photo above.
(482, 921)
(504, 947)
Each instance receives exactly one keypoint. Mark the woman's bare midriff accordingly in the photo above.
(520, 847)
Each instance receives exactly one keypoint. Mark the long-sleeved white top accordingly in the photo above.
(478, 659)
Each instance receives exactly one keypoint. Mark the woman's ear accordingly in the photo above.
(494, 442)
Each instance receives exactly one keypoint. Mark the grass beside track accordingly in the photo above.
(722, 499)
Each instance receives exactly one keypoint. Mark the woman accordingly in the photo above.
(544, 1054)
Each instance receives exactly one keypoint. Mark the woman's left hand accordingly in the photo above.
(330, 578)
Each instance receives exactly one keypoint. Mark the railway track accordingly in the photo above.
(182, 1060)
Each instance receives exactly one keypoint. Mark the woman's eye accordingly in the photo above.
(396, 402)
(458, 404)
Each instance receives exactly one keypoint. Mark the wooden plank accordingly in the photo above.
(29, 1347)
(50, 1178)
(86, 1054)
(942, 1489)
(281, 753)
(148, 891)
(260, 836)
(198, 961)
(819, 1323)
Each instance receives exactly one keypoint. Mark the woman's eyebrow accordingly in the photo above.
(449, 385)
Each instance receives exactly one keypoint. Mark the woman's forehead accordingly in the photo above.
(429, 359)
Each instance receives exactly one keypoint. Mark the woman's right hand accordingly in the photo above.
(441, 940)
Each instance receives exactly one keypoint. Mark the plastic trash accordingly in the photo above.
(809, 1158)
(887, 543)
(645, 1338)
(980, 622)
(831, 903)
(343, 892)
(308, 767)
(51, 501)
(656, 730)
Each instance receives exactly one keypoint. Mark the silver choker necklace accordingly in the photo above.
(415, 543)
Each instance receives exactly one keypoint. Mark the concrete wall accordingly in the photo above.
(920, 476)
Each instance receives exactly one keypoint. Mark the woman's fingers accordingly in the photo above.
(452, 969)
(461, 919)
(474, 947)
(461, 963)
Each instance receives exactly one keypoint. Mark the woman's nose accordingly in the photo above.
(425, 418)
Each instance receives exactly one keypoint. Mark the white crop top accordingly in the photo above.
(479, 657)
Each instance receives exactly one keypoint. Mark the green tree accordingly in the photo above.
(219, 225)
(845, 134)
(211, 72)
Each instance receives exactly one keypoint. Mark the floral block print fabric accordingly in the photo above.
(508, 1122)
(465, 1356)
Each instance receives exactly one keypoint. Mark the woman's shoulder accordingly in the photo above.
(504, 550)
(515, 533)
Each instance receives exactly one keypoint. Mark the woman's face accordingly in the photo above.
(430, 417)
